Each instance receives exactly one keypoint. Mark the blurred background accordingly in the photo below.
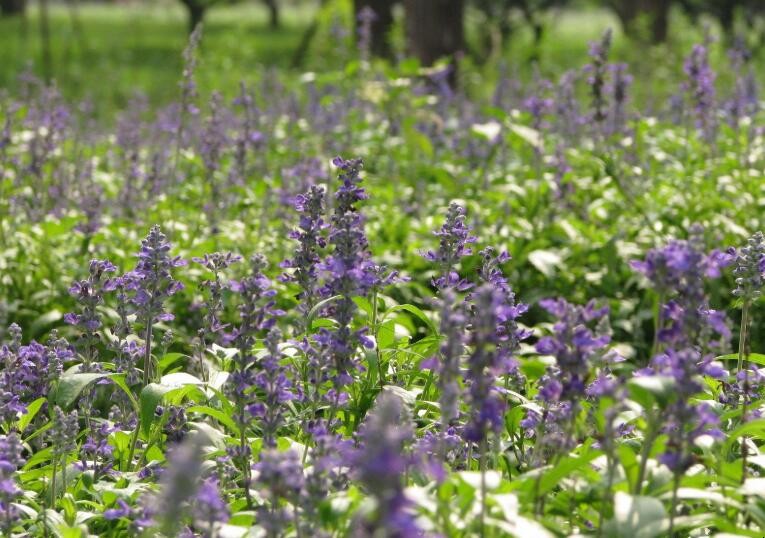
(106, 51)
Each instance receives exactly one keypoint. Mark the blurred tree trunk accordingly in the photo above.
(274, 19)
(196, 11)
(12, 7)
(45, 48)
(434, 29)
(299, 56)
(381, 24)
(727, 17)
(630, 11)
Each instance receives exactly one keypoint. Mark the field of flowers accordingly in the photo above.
(364, 304)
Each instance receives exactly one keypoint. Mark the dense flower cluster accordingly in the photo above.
(324, 396)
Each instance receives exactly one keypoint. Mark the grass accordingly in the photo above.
(131, 47)
(137, 46)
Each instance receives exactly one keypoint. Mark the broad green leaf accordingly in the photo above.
(473, 479)
(564, 468)
(386, 335)
(44, 321)
(754, 428)
(696, 494)
(756, 358)
(637, 517)
(180, 378)
(546, 261)
(418, 313)
(409, 397)
(646, 390)
(318, 307)
(32, 410)
(70, 386)
(119, 380)
(168, 359)
(217, 414)
(150, 398)
(519, 527)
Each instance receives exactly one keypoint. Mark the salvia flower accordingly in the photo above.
(509, 333)
(677, 272)
(380, 463)
(280, 474)
(684, 420)
(11, 460)
(212, 324)
(209, 507)
(618, 88)
(152, 284)
(311, 241)
(598, 73)
(152, 279)
(749, 268)
(96, 452)
(454, 239)
(274, 389)
(350, 272)
(744, 102)
(62, 437)
(89, 295)
(487, 358)
(579, 337)
(179, 484)
(447, 364)
(700, 87)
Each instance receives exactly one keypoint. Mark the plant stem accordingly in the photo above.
(656, 327)
(645, 453)
(609, 482)
(245, 467)
(673, 506)
(147, 373)
(53, 485)
(483, 487)
(743, 362)
(743, 333)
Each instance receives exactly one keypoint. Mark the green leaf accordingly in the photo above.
(150, 397)
(646, 390)
(754, 428)
(71, 385)
(527, 134)
(756, 358)
(637, 517)
(317, 308)
(178, 379)
(45, 320)
(386, 335)
(119, 380)
(546, 261)
(217, 414)
(703, 495)
(32, 410)
(168, 359)
(416, 312)
(564, 468)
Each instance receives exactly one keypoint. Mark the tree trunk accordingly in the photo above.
(273, 13)
(381, 24)
(434, 30)
(196, 13)
(45, 48)
(299, 56)
(630, 11)
(727, 18)
(12, 7)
